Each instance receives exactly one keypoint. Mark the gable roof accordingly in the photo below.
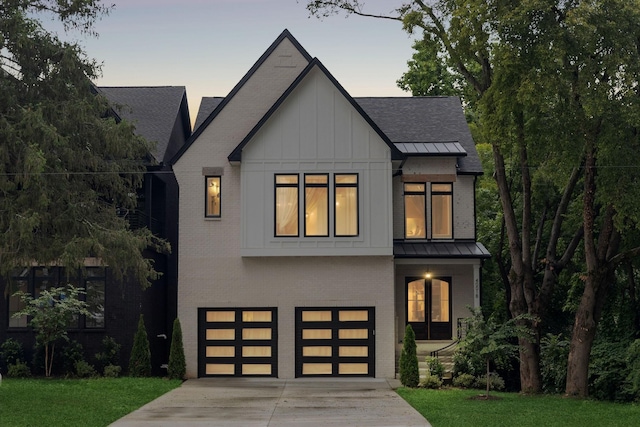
(207, 105)
(153, 110)
(236, 154)
(426, 126)
(198, 131)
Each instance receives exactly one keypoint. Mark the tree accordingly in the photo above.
(68, 165)
(409, 370)
(556, 86)
(50, 315)
(177, 364)
(140, 360)
(490, 340)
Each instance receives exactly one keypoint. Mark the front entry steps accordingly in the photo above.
(424, 350)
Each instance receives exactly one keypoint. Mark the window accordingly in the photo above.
(441, 211)
(346, 204)
(35, 280)
(316, 205)
(414, 211)
(212, 197)
(286, 215)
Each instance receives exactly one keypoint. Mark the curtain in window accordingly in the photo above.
(415, 217)
(286, 211)
(316, 218)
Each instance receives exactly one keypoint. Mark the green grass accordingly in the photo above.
(454, 407)
(90, 402)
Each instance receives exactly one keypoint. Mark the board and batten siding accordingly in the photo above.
(316, 130)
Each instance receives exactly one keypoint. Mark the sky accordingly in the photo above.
(208, 45)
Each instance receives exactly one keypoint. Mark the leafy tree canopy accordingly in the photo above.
(67, 163)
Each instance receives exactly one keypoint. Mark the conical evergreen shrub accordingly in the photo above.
(177, 365)
(409, 372)
(140, 360)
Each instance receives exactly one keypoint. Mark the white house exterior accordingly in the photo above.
(308, 220)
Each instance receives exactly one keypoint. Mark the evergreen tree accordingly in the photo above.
(177, 365)
(140, 361)
(409, 371)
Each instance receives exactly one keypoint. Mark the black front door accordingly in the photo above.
(429, 308)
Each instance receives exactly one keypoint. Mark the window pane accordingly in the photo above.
(439, 301)
(316, 199)
(95, 303)
(16, 304)
(442, 221)
(346, 205)
(256, 351)
(256, 316)
(219, 369)
(346, 334)
(256, 333)
(441, 188)
(213, 196)
(415, 301)
(221, 334)
(316, 369)
(256, 369)
(286, 215)
(316, 334)
(354, 351)
(414, 211)
(353, 368)
(353, 315)
(221, 316)
(316, 351)
(316, 316)
(225, 351)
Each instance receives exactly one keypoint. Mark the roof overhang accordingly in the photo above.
(460, 250)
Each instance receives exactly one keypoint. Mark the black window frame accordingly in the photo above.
(275, 203)
(337, 185)
(440, 193)
(316, 185)
(206, 196)
(422, 193)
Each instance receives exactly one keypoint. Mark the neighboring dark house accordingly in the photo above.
(160, 115)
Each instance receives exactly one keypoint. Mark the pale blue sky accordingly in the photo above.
(208, 45)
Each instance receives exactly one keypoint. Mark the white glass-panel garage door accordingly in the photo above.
(335, 341)
(237, 342)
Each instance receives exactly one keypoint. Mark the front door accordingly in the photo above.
(429, 308)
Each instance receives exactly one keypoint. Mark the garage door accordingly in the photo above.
(237, 342)
(335, 341)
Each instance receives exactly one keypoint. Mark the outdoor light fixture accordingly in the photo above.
(427, 275)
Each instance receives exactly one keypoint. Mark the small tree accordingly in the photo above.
(409, 372)
(50, 314)
(177, 365)
(490, 340)
(140, 361)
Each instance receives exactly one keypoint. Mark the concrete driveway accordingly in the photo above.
(276, 402)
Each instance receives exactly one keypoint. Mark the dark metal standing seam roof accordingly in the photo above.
(467, 249)
(153, 110)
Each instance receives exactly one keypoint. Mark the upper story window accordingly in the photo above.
(316, 205)
(212, 197)
(415, 221)
(286, 204)
(346, 204)
(441, 211)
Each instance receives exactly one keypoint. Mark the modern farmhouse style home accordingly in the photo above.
(313, 226)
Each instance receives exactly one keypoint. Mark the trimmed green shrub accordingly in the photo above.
(112, 371)
(436, 368)
(85, 370)
(464, 381)
(409, 371)
(177, 364)
(495, 382)
(140, 360)
(10, 353)
(110, 354)
(19, 369)
(431, 381)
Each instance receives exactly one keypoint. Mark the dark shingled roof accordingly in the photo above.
(468, 249)
(153, 110)
(207, 105)
(423, 121)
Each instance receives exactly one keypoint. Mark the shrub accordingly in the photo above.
(633, 361)
(10, 353)
(554, 350)
(112, 371)
(19, 370)
(177, 365)
(431, 381)
(72, 353)
(409, 371)
(84, 369)
(140, 360)
(110, 354)
(464, 381)
(435, 367)
(608, 371)
(495, 382)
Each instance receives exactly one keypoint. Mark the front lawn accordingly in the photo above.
(75, 402)
(457, 408)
